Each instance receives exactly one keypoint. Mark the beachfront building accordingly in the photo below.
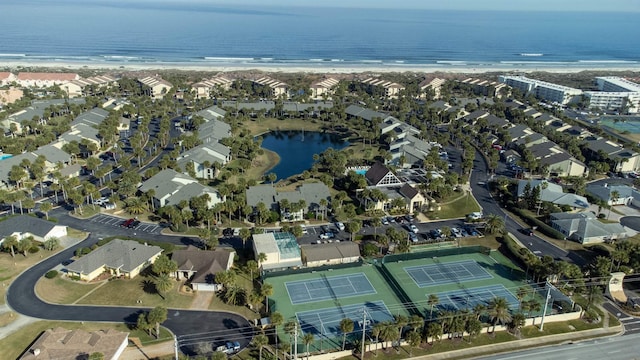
(323, 88)
(484, 87)
(542, 89)
(389, 88)
(37, 79)
(208, 87)
(616, 94)
(155, 86)
(278, 88)
(431, 85)
(7, 78)
(88, 86)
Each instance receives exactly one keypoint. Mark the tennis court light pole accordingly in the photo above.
(364, 326)
(546, 303)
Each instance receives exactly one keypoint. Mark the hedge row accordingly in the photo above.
(540, 225)
(519, 254)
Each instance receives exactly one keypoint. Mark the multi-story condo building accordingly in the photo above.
(542, 89)
(616, 94)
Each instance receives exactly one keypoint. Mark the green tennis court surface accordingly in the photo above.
(446, 273)
(327, 321)
(328, 287)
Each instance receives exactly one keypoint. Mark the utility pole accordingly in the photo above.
(175, 346)
(546, 303)
(364, 327)
(295, 341)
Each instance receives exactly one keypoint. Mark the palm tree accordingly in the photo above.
(615, 195)
(45, 207)
(473, 327)
(446, 232)
(346, 326)
(262, 257)
(389, 332)
(276, 320)
(520, 295)
(478, 310)
(376, 330)
(260, 341)
(434, 330)
(432, 301)
(499, 311)
(163, 284)
(400, 321)
(495, 224)
(307, 339)
(10, 242)
(266, 290)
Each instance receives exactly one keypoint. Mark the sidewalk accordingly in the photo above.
(515, 345)
(148, 352)
(15, 325)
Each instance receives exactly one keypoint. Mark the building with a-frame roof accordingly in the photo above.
(334, 253)
(203, 158)
(380, 175)
(206, 88)
(323, 88)
(156, 87)
(23, 226)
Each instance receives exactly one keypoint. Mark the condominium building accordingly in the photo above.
(322, 87)
(615, 94)
(204, 88)
(390, 89)
(541, 89)
(157, 87)
(278, 88)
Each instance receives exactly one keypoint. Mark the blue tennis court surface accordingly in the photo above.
(447, 273)
(327, 321)
(329, 287)
(469, 298)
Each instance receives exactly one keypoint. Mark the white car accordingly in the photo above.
(327, 235)
(304, 229)
(340, 226)
(413, 228)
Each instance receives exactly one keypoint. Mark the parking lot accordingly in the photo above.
(117, 221)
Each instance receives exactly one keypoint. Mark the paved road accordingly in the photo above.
(213, 326)
(632, 222)
(610, 348)
(479, 177)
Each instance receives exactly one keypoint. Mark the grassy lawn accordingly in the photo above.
(60, 290)
(16, 343)
(127, 292)
(12, 267)
(458, 208)
(218, 304)
(488, 241)
(264, 125)
(7, 318)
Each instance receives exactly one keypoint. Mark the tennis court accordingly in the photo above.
(326, 322)
(469, 298)
(447, 273)
(329, 287)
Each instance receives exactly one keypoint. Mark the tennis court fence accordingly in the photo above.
(306, 270)
(436, 253)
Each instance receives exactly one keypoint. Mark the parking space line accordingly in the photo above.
(152, 229)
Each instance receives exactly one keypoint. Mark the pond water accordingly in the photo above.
(296, 149)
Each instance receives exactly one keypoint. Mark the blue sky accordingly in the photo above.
(531, 5)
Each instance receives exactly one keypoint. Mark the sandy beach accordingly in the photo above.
(17, 65)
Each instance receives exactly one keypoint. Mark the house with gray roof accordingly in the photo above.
(311, 193)
(117, 257)
(203, 157)
(334, 253)
(495, 122)
(79, 132)
(364, 113)
(615, 194)
(36, 110)
(410, 148)
(213, 131)
(199, 267)
(212, 113)
(6, 165)
(23, 226)
(53, 154)
(93, 117)
(553, 193)
(170, 187)
(625, 160)
(585, 228)
(531, 139)
(380, 176)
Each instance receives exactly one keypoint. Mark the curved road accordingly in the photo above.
(212, 326)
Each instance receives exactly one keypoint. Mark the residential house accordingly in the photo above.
(43, 80)
(409, 150)
(585, 228)
(433, 84)
(88, 86)
(280, 248)
(355, 111)
(389, 88)
(212, 113)
(7, 163)
(278, 88)
(557, 160)
(624, 160)
(199, 267)
(206, 88)
(203, 157)
(37, 111)
(213, 131)
(473, 117)
(93, 117)
(171, 187)
(310, 193)
(60, 343)
(155, 86)
(399, 128)
(415, 199)
(323, 88)
(615, 194)
(117, 257)
(553, 193)
(495, 122)
(23, 226)
(335, 253)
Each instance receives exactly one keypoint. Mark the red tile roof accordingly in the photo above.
(47, 76)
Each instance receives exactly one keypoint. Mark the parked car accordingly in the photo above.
(227, 232)
(385, 221)
(528, 232)
(340, 226)
(413, 237)
(327, 235)
(304, 229)
(133, 224)
(413, 228)
(126, 223)
(233, 347)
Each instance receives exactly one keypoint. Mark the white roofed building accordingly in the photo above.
(323, 87)
(37, 79)
(204, 88)
(77, 87)
(278, 88)
(435, 84)
(542, 89)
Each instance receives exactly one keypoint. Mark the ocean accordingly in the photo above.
(194, 32)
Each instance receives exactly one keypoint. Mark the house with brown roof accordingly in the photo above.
(60, 343)
(414, 198)
(37, 79)
(330, 253)
(200, 267)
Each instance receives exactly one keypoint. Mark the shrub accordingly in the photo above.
(51, 274)
(541, 226)
(34, 249)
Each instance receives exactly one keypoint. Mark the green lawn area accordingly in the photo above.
(458, 208)
(61, 290)
(15, 344)
(244, 281)
(127, 292)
